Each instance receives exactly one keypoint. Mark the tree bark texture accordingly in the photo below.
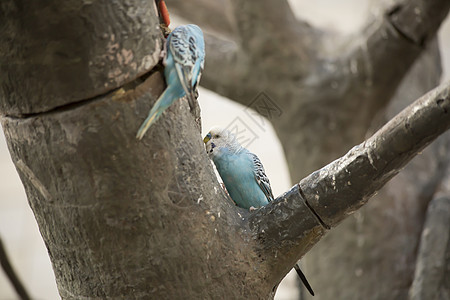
(123, 218)
(71, 53)
(331, 93)
(129, 219)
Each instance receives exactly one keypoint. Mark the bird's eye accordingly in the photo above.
(216, 136)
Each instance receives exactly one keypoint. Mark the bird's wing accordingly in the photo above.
(261, 178)
(187, 48)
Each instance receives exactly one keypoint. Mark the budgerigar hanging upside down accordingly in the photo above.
(242, 173)
(183, 66)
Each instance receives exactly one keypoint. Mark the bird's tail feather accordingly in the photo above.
(303, 279)
(154, 114)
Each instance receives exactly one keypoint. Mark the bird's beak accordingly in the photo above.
(207, 138)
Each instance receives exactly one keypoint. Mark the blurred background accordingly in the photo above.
(19, 230)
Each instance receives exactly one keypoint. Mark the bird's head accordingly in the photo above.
(218, 139)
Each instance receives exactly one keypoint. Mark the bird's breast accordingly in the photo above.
(238, 176)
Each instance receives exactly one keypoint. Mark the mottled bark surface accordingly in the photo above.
(123, 218)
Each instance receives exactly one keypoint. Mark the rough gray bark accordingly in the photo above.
(70, 54)
(384, 155)
(129, 219)
(331, 93)
(431, 275)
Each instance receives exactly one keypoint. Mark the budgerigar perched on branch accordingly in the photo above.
(242, 173)
(183, 66)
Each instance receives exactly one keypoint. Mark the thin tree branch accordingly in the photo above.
(12, 276)
(326, 197)
(368, 166)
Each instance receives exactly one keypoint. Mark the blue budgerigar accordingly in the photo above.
(242, 173)
(183, 66)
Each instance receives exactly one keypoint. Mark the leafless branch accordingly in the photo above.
(324, 198)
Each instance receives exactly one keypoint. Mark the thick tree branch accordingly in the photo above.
(327, 196)
(343, 186)
(386, 231)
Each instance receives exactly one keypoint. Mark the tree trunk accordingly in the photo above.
(123, 218)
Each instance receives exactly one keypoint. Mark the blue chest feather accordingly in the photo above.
(237, 173)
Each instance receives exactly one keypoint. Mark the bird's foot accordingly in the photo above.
(252, 208)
